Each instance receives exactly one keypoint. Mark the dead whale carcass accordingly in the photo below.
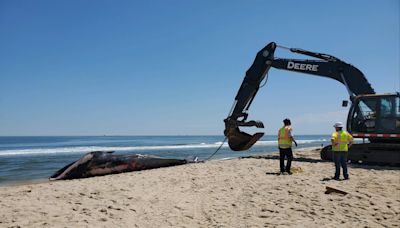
(100, 163)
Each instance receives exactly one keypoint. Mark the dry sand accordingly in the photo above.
(229, 193)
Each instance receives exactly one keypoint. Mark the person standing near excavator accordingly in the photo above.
(285, 140)
(341, 142)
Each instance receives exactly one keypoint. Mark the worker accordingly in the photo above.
(341, 142)
(285, 139)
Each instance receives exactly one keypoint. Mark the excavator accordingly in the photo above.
(375, 118)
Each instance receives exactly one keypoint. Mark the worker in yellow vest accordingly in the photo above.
(285, 139)
(341, 142)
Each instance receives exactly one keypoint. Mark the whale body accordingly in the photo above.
(99, 163)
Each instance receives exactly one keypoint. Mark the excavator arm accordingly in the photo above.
(237, 139)
(326, 66)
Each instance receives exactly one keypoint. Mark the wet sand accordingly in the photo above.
(229, 193)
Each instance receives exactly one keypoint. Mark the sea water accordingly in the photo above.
(33, 158)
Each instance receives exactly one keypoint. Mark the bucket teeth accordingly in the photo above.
(239, 141)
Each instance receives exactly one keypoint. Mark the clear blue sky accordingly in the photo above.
(174, 67)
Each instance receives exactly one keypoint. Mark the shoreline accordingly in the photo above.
(241, 192)
(24, 182)
(45, 180)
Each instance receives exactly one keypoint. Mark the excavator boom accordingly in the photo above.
(345, 73)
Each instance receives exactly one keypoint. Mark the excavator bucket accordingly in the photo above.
(239, 140)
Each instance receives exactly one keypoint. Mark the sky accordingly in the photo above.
(173, 67)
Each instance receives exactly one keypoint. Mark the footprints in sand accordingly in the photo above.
(91, 206)
(111, 212)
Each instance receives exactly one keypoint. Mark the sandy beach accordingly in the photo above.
(227, 193)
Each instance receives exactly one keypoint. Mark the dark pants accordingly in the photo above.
(287, 152)
(340, 159)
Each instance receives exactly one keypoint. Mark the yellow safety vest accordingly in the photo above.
(284, 140)
(342, 138)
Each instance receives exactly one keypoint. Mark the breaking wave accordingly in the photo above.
(85, 149)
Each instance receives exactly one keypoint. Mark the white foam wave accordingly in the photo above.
(303, 141)
(85, 149)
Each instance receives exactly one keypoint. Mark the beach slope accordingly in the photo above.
(229, 193)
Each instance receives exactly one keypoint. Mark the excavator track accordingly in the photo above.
(369, 153)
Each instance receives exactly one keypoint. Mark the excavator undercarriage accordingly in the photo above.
(369, 153)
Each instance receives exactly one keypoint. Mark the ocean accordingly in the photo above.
(35, 158)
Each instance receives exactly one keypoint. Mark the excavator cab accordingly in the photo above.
(375, 114)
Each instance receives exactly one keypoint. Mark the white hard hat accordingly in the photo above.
(338, 124)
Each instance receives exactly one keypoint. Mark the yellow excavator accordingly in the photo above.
(373, 117)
